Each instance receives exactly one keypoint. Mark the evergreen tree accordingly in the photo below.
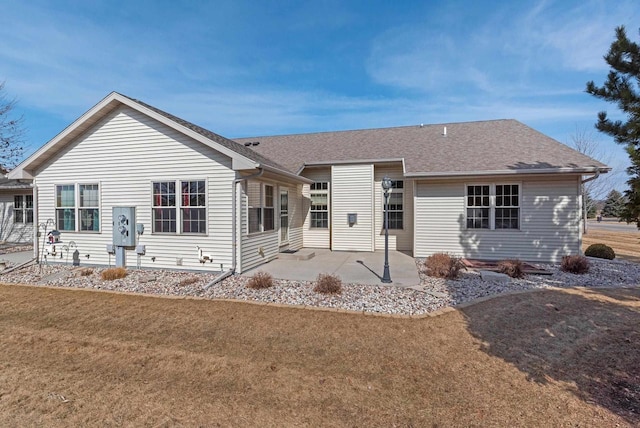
(614, 204)
(622, 88)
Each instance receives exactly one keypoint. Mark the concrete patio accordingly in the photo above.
(351, 267)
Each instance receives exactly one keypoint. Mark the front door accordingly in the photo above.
(284, 217)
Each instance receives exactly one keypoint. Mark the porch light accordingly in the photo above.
(386, 186)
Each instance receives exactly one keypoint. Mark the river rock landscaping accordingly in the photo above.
(430, 295)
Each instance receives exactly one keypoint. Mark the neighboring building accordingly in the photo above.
(16, 211)
(487, 190)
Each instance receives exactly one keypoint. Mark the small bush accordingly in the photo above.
(188, 281)
(575, 264)
(328, 284)
(113, 273)
(442, 265)
(260, 280)
(600, 251)
(86, 272)
(513, 268)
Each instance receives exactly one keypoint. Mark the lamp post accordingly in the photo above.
(386, 186)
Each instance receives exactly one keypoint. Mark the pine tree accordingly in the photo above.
(614, 204)
(621, 88)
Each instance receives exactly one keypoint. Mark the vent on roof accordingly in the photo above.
(255, 143)
(247, 144)
(444, 132)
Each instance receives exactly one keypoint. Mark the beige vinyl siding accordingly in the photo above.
(549, 221)
(352, 192)
(260, 247)
(124, 153)
(296, 217)
(10, 231)
(313, 237)
(398, 239)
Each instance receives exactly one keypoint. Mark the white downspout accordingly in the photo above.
(584, 199)
(234, 214)
(36, 226)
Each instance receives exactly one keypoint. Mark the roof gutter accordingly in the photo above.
(592, 170)
(596, 175)
(287, 174)
(349, 162)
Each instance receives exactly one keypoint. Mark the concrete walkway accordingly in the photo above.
(351, 267)
(17, 257)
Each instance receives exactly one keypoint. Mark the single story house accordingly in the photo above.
(16, 211)
(488, 190)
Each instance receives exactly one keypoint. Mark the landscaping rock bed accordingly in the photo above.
(432, 294)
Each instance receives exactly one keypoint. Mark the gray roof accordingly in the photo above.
(225, 142)
(7, 184)
(499, 146)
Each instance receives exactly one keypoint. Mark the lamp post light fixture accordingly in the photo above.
(386, 186)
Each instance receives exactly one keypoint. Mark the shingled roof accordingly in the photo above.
(495, 146)
(230, 144)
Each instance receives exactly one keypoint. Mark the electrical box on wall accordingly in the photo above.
(352, 218)
(124, 226)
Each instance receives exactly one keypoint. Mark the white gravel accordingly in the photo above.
(432, 294)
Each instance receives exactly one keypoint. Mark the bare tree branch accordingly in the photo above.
(11, 132)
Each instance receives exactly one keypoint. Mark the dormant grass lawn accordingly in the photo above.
(86, 358)
(625, 244)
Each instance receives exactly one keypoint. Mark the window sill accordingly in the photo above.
(266, 232)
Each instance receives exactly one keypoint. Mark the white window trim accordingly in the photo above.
(324, 192)
(76, 206)
(24, 209)
(263, 206)
(178, 206)
(98, 207)
(492, 204)
(403, 202)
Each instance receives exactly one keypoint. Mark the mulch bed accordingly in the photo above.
(492, 265)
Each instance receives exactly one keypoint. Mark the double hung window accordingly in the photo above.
(187, 208)
(23, 209)
(395, 205)
(319, 211)
(493, 206)
(78, 207)
(261, 204)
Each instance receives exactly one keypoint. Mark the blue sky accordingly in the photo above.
(248, 68)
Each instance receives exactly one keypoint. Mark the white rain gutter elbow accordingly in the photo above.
(596, 175)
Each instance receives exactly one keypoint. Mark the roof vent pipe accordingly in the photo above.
(444, 132)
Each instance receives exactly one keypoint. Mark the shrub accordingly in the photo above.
(260, 280)
(86, 272)
(442, 265)
(600, 251)
(113, 273)
(328, 284)
(188, 281)
(575, 264)
(513, 268)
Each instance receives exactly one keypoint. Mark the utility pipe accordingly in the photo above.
(584, 199)
(234, 210)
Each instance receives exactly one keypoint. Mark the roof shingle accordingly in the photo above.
(488, 146)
